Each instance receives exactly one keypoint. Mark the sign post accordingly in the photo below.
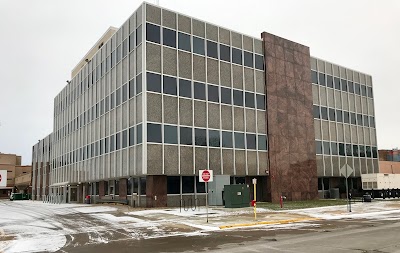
(206, 176)
(346, 171)
(255, 197)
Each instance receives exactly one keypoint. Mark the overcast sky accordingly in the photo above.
(41, 41)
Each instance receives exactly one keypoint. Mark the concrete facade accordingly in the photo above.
(167, 95)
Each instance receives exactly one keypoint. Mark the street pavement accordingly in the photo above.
(32, 226)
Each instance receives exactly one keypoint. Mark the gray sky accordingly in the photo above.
(41, 41)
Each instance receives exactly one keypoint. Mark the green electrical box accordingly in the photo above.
(236, 195)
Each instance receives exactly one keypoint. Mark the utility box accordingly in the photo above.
(236, 195)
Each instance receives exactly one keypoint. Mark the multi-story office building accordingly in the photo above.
(12, 164)
(167, 95)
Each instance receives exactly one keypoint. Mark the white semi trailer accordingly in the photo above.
(381, 184)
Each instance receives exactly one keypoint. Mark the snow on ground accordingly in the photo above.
(95, 209)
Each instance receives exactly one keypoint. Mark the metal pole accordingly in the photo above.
(347, 193)
(207, 199)
(255, 204)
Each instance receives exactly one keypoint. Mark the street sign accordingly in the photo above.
(346, 170)
(205, 176)
(3, 178)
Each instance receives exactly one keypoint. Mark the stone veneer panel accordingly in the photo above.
(292, 161)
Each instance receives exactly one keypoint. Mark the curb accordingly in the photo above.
(268, 223)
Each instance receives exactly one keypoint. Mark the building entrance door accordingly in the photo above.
(73, 194)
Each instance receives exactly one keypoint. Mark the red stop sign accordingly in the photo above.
(0, 177)
(205, 175)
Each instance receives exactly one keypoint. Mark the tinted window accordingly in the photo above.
(251, 141)
(322, 79)
(357, 88)
(239, 140)
(125, 139)
(365, 120)
(200, 91)
(188, 184)
(334, 148)
(262, 142)
(238, 97)
(372, 122)
(349, 151)
(248, 59)
(227, 140)
(154, 133)
(118, 97)
(226, 95)
(259, 62)
(249, 99)
(318, 147)
(237, 56)
(355, 150)
(112, 101)
(213, 94)
(324, 113)
(112, 143)
(106, 104)
(344, 85)
(369, 89)
(339, 116)
(124, 93)
(374, 152)
(363, 90)
(350, 85)
(200, 137)
(132, 41)
(337, 83)
(346, 117)
(213, 138)
(139, 134)
(329, 81)
(139, 84)
(184, 42)
(212, 49)
(314, 77)
(327, 148)
(153, 82)
(170, 85)
(260, 101)
(185, 88)
(198, 46)
(171, 134)
(173, 185)
(342, 150)
(139, 35)
(368, 151)
(131, 136)
(359, 120)
(169, 37)
(224, 53)
(353, 119)
(316, 112)
(186, 135)
(362, 150)
(131, 88)
(153, 33)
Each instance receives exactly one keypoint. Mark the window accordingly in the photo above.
(359, 120)
(349, 151)
(368, 151)
(118, 97)
(355, 150)
(213, 138)
(200, 186)
(154, 133)
(118, 53)
(342, 150)
(101, 147)
(369, 89)
(365, 120)
(112, 143)
(362, 151)
(153, 82)
(249, 99)
(238, 97)
(170, 85)
(199, 91)
(374, 152)
(329, 81)
(125, 139)
(139, 134)
(260, 101)
(169, 37)
(363, 90)
(262, 142)
(337, 83)
(132, 88)
(322, 79)
(318, 147)
(131, 136)
(237, 56)
(131, 41)
(124, 93)
(314, 77)
(188, 184)
(139, 84)
(334, 148)
(224, 53)
(227, 140)
(200, 137)
(357, 88)
(212, 49)
(106, 146)
(184, 42)
(186, 135)
(259, 62)
(344, 85)
(350, 86)
(185, 88)
(153, 33)
(142, 186)
(171, 134)
(226, 94)
(173, 185)
(371, 121)
(331, 114)
(327, 148)
(316, 112)
(112, 101)
(198, 46)
(239, 140)
(324, 113)
(248, 59)
(353, 118)
(251, 141)
(339, 116)
(346, 117)
(213, 94)
(118, 141)
(139, 35)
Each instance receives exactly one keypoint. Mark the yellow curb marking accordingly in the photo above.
(268, 222)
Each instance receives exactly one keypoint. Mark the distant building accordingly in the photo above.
(12, 164)
(389, 161)
(166, 95)
(389, 155)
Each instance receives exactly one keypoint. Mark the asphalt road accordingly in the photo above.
(328, 236)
